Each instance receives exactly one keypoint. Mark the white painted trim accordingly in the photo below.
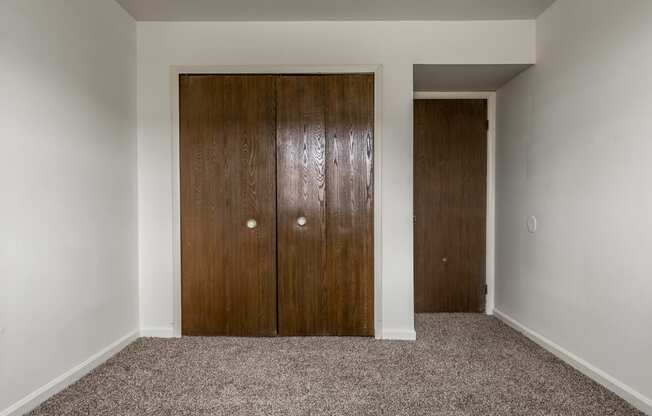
(38, 396)
(490, 265)
(158, 332)
(399, 334)
(453, 95)
(490, 96)
(175, 71)
(634, 397)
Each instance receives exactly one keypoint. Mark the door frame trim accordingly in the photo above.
(175, 71)
(490, 96)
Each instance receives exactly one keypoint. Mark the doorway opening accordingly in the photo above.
(467, 82)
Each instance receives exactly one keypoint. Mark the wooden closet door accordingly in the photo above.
(325, 175)
(227, 161)
(450, 183)
(301, 181)
(349, 202)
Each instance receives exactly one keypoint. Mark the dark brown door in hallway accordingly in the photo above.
(277, 204)
(450, 185)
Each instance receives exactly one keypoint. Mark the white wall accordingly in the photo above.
(394, 45)
(68, 223)
(575, 149)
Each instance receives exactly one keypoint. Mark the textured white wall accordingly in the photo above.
(575, 149)
(394, 45)
(68, 216)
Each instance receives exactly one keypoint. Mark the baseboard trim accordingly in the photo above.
(158, 332)
(38, 396)
(399, 334)
(634, 397)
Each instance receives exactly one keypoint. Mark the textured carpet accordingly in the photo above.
(459, 365)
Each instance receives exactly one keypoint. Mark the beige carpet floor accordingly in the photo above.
(460, 365)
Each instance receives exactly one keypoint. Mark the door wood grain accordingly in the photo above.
(227, 162)
(301, 179)
(325, 173)
(349, 202)
(450, 182)
(295, 153)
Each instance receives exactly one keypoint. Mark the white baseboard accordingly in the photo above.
(629, 394)
(158, 332)
(38, 396)
(168, 332)
(399, 334)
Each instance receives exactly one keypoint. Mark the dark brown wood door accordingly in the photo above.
(227, 161)
(450, 182)
(325, 204)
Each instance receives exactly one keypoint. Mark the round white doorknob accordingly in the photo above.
(444, 260)
(302, 221)
(252, 223)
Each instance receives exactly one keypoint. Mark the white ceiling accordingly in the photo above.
(464, 77)
(288, 10)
